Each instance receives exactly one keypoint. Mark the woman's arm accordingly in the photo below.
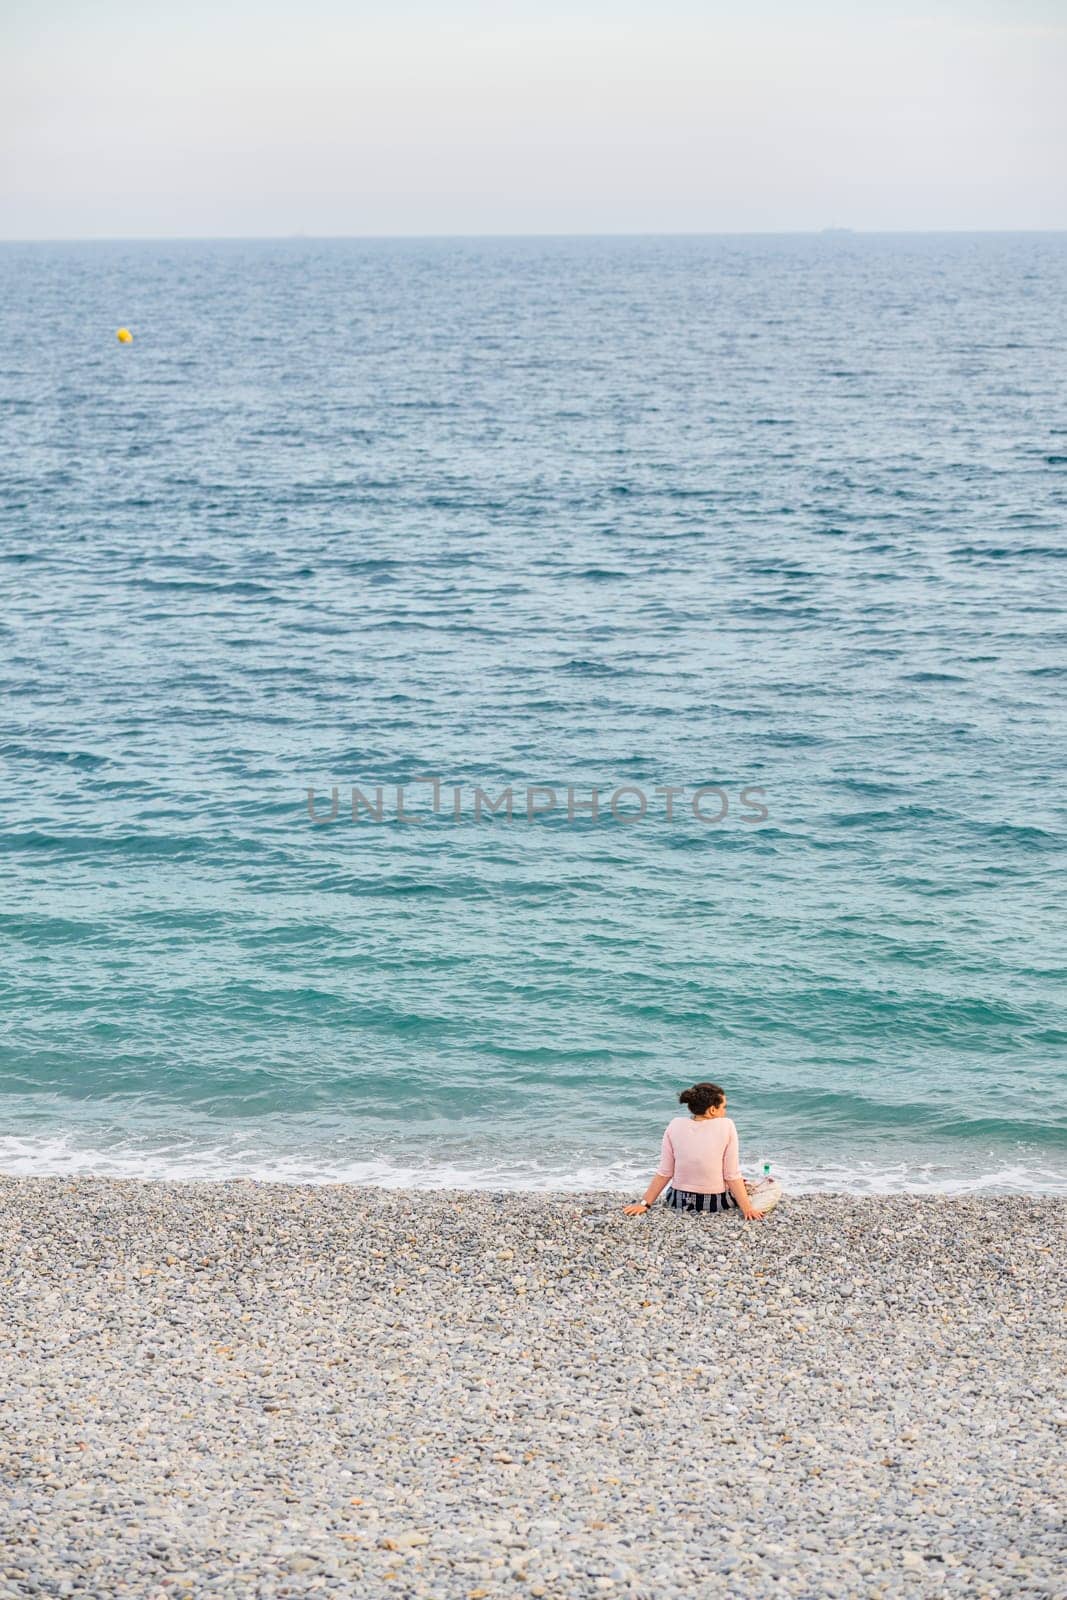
(740, 1194)
(652, 1194)
(663, 1175)
(731, 1171)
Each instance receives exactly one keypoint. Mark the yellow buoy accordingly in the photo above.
(124, 336)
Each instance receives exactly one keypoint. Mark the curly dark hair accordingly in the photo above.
(702, 1097)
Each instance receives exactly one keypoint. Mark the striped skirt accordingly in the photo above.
(686, 1200)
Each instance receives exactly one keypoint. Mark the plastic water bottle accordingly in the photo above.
(766, 1177)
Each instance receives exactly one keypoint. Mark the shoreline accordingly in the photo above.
(1022, 1180)
(250, 1389)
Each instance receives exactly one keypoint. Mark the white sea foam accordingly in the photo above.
(61, 1156)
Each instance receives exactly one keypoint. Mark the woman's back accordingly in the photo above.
(700, 1154)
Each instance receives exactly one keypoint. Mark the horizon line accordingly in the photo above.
(680, 233)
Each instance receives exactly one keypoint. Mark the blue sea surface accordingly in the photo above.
(782, 513)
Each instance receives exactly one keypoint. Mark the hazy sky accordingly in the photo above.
(132, 118)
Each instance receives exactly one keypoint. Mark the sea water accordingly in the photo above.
(775, 514)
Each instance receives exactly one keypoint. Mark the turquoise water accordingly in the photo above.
(784, 513)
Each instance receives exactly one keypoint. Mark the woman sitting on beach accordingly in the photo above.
(700, 1154)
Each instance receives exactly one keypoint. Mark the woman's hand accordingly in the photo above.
(635, 1211)
(750, 1215)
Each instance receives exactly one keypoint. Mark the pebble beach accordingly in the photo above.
(244, 1389)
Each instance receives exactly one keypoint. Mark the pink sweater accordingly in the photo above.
(700, 1156)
